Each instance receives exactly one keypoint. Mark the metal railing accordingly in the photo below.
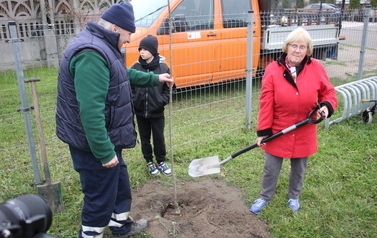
(352, 94)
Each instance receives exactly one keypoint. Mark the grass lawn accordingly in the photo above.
(339, 197)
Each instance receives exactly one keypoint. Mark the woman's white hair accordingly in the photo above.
(105, 24)
(299, 35)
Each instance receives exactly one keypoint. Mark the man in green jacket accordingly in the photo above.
(95, 118)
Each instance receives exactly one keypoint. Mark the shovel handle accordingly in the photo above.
(38, 120)
(308, 120)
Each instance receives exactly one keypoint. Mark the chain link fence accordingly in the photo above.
(216, 109)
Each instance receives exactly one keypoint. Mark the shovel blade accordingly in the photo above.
(52, 192)
(204, 166)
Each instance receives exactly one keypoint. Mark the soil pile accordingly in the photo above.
(207, 208)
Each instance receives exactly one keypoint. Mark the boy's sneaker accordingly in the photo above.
(164, 168)
(153, 169)
(136, 228)
(294, 204)
(258, 205)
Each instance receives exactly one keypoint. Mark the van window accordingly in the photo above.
(190, 15)
(198, 14)
(147, 11)
(235, 13)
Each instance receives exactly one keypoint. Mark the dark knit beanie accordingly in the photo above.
(122, 15)
(149, 43)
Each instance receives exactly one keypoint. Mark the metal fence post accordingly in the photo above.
(249, 68)
(363, 42)
(25, 108)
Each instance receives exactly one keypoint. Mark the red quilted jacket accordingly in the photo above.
(284, 103)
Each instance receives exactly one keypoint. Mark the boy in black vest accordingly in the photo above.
(149, 106)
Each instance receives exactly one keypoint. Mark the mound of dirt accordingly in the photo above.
(208, 208)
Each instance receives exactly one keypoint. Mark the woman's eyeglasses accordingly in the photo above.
(301, 47)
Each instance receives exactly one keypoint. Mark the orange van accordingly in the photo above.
(208, 40)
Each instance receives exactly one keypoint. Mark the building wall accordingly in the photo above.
(45, 26)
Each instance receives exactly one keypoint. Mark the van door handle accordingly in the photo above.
(209, 35)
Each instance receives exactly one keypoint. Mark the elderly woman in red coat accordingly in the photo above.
(292, 87)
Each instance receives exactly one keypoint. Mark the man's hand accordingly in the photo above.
(112, 163)
(166, 78)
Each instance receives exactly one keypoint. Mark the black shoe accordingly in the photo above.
(136, 228)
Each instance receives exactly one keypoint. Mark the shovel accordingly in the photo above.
(51, 191)
(211, 165)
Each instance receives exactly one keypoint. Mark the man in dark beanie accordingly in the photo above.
(95, 118)
(122, 15)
